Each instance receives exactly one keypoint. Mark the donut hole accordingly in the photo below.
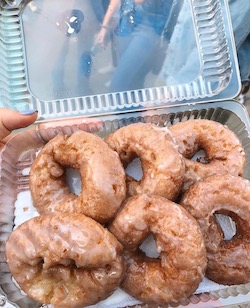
(200, 156)
(149, 247)
(73, 180)
(134, 169)
(227, 225)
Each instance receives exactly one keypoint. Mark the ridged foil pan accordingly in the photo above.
(19, 153)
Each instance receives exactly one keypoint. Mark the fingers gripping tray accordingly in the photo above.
(51, 61)
(16, 203)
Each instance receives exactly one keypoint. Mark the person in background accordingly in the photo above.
(240, 11)
(182, 63)
(11, 120)
(244, 63)
(99, 8)
(137, 37)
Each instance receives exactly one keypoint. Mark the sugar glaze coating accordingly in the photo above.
(102, 176)
(228, 260)
(162, 165)
(182, 263)
(59, 259)
(224, 151)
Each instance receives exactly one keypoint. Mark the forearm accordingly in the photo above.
(111, 11)
(140, 1)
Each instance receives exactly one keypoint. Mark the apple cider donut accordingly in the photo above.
(228, 260)
(162, 165)
(223, 149)
(65, 259)
(102, 176)
(182, 263)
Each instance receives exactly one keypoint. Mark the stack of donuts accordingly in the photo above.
(81, 248)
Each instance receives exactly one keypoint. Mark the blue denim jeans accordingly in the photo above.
(135, 53)
(240, 12)
(137, 50)
(182, 63)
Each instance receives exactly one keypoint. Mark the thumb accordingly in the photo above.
(11, 120)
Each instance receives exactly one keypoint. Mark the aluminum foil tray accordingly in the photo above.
(49, 61)
(19, 153)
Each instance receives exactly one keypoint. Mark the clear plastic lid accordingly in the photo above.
(84, 57)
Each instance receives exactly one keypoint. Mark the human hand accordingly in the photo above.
(101, 37)
(11, 120)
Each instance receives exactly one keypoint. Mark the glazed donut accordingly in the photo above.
(182, 263)
(228, 260)
(163, 167)
(102, 176)
(224, 151)
(65, 259)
